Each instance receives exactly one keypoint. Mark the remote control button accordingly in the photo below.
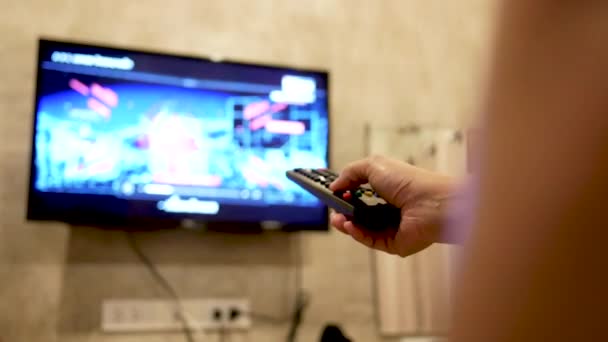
(368, 193)
(347, 196)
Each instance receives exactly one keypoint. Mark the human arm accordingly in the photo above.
(423, 197)
(534, 268)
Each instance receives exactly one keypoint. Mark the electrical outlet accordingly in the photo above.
(133, 315)
(423, 339)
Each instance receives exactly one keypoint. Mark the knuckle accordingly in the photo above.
(375, 163)
(375, 158)
(350, 167)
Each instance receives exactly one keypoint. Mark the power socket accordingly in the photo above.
(143, 315)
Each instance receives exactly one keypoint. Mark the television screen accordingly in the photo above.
(126, 136)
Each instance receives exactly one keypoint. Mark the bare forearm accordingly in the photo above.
(533, 260)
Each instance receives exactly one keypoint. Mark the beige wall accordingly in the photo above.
(391, 61)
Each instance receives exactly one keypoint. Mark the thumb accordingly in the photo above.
(354, 174)
(390, 178)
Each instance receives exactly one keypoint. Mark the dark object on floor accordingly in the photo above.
(333, 333)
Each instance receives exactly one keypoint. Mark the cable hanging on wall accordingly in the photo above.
(301, 297)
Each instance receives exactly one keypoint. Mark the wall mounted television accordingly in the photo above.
(132, 138)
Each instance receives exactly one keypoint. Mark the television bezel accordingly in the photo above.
(143, 222)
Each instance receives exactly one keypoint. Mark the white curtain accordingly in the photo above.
(413, 293)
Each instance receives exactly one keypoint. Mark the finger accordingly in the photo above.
(358, 234)
(354, 174)
(337, 221)
(411, 238)
(376, 240)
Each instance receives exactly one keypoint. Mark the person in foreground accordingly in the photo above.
(533, 216)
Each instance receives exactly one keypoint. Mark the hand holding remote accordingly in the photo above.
(420, 194)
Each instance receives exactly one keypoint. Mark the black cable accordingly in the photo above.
(298, 265)
(162, 281)
(301, 300)
(222, 334)
(301, 304)
(265, 318)
(301, 297)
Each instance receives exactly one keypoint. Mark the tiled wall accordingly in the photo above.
(392, 61)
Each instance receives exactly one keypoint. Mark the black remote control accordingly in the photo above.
(361, 205)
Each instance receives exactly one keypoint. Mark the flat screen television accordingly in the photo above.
(126, 137)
